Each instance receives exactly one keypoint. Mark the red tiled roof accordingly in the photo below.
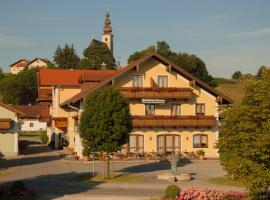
(34, 111)
(11, 108)
(72, 77)
(20, 63)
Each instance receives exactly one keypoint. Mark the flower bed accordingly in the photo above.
(208, 194)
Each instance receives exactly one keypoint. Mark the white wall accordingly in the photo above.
(36, 125)
(38, 63)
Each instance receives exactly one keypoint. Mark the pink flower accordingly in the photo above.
(208, 194)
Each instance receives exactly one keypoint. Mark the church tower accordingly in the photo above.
(107, 36)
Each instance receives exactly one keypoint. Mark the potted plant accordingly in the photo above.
(86, 154)
(101, 156)
(200, 153)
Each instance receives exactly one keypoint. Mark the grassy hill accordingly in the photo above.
(231, 88)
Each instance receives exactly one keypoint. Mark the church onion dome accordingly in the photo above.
(107, 28)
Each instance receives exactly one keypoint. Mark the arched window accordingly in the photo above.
(136, 143)
(200, 141)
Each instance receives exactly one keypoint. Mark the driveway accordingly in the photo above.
(52, 176)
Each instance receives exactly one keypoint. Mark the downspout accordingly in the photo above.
(78, 144)
(72, 107)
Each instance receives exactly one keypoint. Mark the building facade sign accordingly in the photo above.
(153, 101)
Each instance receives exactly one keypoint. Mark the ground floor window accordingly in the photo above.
(168, 144)
(136, 143)
(200, 141)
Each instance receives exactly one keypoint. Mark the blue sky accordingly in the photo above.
(228, 35)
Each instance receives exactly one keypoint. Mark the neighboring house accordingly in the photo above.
(24, 64)
(9, 130)
(36, 117)
(56, 86)
(172, 111)
(18, 66)
(38, 63)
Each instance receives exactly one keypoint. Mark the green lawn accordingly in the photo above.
(30, 134)
(5, 172)
(225, 181)
(117, 179)
(233, 90)
(224, 81)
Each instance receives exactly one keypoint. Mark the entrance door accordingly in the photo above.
(168, 144)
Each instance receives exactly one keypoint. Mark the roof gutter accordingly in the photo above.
(72, 107)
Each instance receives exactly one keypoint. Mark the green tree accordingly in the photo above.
(105, 122)
(2, 75)
(51, 66)
(95, 54)
(260, 72)
(190, 63)
(244, 143)
(66, 58)
(237, 75)
(139, 54)
(20, 88)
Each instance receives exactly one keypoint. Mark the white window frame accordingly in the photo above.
(161, 75)
(176, 104)
(145, 109)
(133, 75)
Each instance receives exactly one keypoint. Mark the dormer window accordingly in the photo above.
(137, 80)
(162, 81)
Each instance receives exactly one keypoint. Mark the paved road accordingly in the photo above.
(52, 176)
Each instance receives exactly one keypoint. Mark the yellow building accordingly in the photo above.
(172, 111)
(56, 86)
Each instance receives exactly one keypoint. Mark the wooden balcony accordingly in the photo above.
(173, 121)
(156, 93)
(6, 124)
(44, 95)
(60, 122)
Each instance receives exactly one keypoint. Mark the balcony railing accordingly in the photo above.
(156, 93)
(173, 121)
(60, 122)
(5, 124)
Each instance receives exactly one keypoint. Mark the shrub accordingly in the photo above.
(86, 152)
(44, 138)
(18, 185)
(172, 191)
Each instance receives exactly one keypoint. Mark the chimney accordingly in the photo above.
(103, 66)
